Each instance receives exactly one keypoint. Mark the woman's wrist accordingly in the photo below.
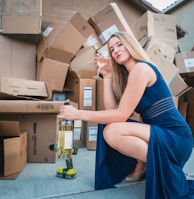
(107, 76)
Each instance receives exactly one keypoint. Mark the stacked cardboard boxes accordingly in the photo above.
(61, 65)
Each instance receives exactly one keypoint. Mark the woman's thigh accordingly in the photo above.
(135, 129)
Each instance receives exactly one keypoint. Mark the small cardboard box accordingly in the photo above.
(59, 41)
(21, 16)
(82, 89)
(13, 149)
(162, 26)
(17, 87)
(18, 58)
(185, 63)
(107, 21)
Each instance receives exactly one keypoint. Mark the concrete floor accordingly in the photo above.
(39, 181)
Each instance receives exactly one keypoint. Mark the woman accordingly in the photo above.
(160, 144)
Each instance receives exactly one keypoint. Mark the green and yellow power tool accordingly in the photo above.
(69, 172)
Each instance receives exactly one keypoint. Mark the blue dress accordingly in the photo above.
(169, 148)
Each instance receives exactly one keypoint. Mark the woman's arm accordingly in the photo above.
(109, 101)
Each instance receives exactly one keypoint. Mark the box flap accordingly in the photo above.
(9, 128)
(23, 150)
(11, 156)
(23, 87)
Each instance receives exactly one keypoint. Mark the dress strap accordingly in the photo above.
(158, 108)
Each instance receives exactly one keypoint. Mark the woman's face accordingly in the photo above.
(118, 51)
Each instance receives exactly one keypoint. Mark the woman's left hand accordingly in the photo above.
(68, 112)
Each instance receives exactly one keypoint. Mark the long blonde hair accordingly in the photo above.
(119, 72)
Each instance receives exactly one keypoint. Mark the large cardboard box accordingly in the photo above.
(185, 63)
(11, 87)
(162, 26)
(107, 21)
(13, 149)
(21, 16)
(59, 41)
(53, 73)
(18, 58)
(82, 89)
(39, 119)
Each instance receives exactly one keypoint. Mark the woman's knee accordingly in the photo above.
(109, 133)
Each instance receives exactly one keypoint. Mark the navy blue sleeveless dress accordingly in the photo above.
(169, 148)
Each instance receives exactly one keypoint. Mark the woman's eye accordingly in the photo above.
(120, 44)
(111, 49)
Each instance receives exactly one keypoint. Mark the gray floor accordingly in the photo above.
(38, 181)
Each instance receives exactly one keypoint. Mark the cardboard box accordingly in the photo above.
(18, 58)
(162, 61)
(185, 63)
(53, 73)
(168, 51)
(107, 21)
(59, 41)
(39, 119)
(77, 20)
(83, 60)
(79, 134)
(91, 135)
(13, 149)
(42, 131)
(11, 87)
(178, 86)
(21, 16)
(162, 26)
(82, 89)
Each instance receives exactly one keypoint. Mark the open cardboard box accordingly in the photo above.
(13, 149)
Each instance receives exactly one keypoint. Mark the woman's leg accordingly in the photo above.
(130, 139)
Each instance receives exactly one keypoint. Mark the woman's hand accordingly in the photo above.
(105, 70)
(68, 112)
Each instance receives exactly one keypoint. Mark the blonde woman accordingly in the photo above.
(156, 148)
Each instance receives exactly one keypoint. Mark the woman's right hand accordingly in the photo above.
(105, 70)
